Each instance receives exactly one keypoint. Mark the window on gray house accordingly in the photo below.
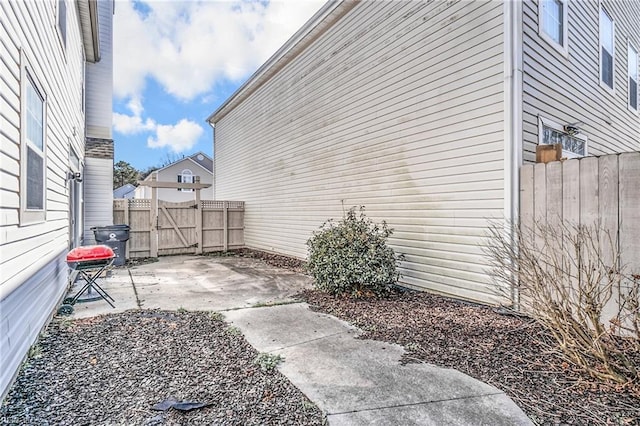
(633, 77)
(550, 133)
(62, 22)
(607, 48)
(552, 19)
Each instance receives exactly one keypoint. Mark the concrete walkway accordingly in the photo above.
(355, 382)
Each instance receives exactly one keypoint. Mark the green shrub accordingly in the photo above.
(352, 256)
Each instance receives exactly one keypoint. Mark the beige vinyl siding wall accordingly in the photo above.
(32, 276)
(398, 107)
(567, 90)
(99, 83)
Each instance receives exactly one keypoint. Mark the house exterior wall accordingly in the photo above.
(98, 175)
(33, 276)
(170, 174)
(99, 84)
(398, 107)
(98, 197)
(566, 88)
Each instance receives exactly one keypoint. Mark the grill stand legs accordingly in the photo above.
(90, 275)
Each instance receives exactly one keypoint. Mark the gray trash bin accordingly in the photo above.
(114, 236)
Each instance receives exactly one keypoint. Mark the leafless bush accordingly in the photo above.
(570, 278)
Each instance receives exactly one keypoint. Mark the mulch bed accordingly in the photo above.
(508, 352)
(277, 260)
(113, 369)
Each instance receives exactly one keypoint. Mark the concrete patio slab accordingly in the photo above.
(355, 381)
(491, 410)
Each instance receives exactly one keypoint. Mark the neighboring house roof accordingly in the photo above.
(200, 159)
(203, 159)
(125, 191)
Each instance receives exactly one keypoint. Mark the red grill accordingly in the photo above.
(90, 261)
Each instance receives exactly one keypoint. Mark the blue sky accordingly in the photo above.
(175, 62)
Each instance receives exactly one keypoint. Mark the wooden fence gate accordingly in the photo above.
(180, 228)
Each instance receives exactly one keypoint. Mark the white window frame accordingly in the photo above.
(562, 48)
(28, 78)
(186, 173)
(547, 122)
(613, 54)
(630, 48)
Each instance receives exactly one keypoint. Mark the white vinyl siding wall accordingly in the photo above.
(98, 196)
(398, 107)
(32, 276)
(99, 80)
(567, 89)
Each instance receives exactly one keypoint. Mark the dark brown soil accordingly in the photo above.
(505, 351)
(277, 260)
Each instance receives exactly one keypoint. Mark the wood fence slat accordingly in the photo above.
(526, 196)
(630, 211)
(199, 230)
(571, 192)
(540, 194)
(589, 207)
(153, 214)
(554, 192)
(225, 221)
(173, 223)
(608, 220)
(608, 203)
(539, 203)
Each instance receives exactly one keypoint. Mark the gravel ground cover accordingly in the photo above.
(277, 260)
(505, 351)
(111, 370)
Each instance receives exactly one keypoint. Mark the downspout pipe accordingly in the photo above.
(512, 12)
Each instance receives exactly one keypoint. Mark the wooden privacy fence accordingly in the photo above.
(604, 191)
(188, 227)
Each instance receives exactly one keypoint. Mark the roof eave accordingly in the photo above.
(88, 13)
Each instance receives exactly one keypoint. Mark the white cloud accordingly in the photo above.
(188, 46)
(178, 138)
(131, 124)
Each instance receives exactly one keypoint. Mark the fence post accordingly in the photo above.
(199, 237)
(125, 206)
(153, 235)
(225, 224)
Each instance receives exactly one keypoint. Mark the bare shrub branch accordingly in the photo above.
(570, 278)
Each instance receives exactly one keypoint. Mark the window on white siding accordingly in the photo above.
(633, 77)
(551, 133)
(33, 179)
(552, 23)
(607, 49)
(62, 22)
(185, 177)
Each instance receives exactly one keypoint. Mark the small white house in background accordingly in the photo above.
(183, 170)
(424, 112)
(56, 156)
(125, 191)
